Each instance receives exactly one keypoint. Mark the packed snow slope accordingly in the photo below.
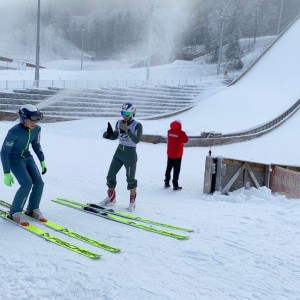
(244, 246)
(266, 91)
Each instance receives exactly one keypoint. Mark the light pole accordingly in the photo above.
(255, 22)
(221, 44)
(150, 42)
(37, 53)
(82, 38)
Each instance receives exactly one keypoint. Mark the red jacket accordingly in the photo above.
(176, 139)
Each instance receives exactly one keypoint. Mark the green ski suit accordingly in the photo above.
(125, 154)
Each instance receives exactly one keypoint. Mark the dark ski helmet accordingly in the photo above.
(128, 110)
(29, 111)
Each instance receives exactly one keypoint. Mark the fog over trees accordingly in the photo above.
(117, 27)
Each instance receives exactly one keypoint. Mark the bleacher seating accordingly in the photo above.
(151, 101)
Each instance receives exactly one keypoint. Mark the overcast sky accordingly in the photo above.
(5, 2)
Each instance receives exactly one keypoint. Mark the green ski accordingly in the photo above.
(112, 217)
(71, 233)
(126, 215)
(51, 238)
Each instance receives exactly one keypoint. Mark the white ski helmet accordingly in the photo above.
(128, 110)
(31, 112)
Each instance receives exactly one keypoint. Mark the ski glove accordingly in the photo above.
(44, 168)
(8, 179)
(109, 131)
(123, 127)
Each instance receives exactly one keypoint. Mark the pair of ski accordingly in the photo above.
(51, 238)
(97, 210)
(123, 218)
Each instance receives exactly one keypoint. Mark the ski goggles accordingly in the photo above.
(126, 114)
(36, 118)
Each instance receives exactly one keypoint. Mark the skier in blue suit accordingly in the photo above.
(17, 160)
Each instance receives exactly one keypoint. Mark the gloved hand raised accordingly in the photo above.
(8, 179)
(109, 132)
(44, 168)
(123, 127)
(109, 129)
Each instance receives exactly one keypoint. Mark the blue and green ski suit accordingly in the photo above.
(16, 158)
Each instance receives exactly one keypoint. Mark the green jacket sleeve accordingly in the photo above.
(139, 132)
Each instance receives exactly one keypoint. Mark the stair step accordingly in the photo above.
(106, 101)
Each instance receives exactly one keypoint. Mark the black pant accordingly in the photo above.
(176, 164)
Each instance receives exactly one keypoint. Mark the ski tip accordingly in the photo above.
(116, 250)
(183, 238)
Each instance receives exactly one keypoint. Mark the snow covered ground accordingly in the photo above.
(245, 246)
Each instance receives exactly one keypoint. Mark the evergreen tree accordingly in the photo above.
(114, 26)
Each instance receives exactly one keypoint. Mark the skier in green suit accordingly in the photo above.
(129, 133)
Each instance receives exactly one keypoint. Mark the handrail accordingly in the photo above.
(95, 84)
(244, 135)
(214, 139)
(269, 124)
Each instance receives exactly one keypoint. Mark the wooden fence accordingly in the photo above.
(226, 175)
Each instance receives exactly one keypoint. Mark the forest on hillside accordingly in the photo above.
(116, 27)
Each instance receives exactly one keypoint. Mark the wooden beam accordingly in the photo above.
(208, 175)
(233, 179)
(252, 176)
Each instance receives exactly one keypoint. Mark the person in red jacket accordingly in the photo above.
(176, 139)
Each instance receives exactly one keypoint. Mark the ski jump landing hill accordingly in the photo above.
(269, 88)
(267, 94)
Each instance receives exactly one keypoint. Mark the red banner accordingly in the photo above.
(285, 181)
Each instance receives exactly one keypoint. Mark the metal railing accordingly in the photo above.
(247, 134)
(61, 84)
(221, 139)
